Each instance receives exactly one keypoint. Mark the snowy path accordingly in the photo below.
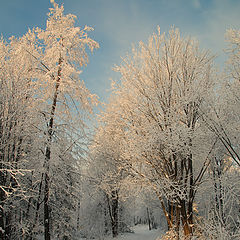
(141, 232)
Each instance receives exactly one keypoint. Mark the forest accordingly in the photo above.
(163, 152)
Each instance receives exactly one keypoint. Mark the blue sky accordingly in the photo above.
(119, 23)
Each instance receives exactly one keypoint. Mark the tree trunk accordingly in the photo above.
(48, 156)
(38, 204)
(171, 212)
(78, 215)
(169, 223)
(191, 195)
(46, 199)
(184, 219)
(177, 226)
(2, 198)
(149, 220)
(115, 213)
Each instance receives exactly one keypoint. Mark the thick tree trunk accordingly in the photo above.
(169, 223)
(184, 219)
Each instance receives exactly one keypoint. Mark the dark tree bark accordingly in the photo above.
(115, 213)
(48, 156)
(113, 207)
(191, 195)
(149, 220)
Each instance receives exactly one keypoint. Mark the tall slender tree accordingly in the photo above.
(59, 53)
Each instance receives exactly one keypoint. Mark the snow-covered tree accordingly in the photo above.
(17, 117)
(224, 118)
(40, 76)
(105, 154)
(61, 54)
(158, 105)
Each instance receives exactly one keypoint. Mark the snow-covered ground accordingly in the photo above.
(141, 232)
